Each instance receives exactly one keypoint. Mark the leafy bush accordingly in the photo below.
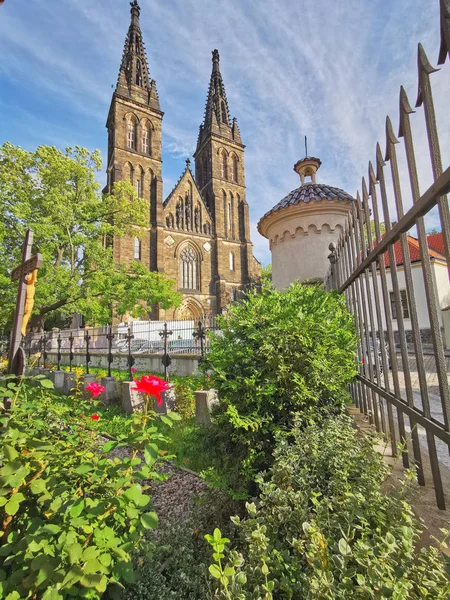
(279, 353)
(323, 529)
(71, 514)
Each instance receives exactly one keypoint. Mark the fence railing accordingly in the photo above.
(366, 265)
(135, 339)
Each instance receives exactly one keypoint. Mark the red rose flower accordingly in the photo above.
(95, 389)
(149, 384)
(95, 417)
(133, 370)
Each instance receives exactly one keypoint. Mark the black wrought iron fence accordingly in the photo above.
(381, 283)
(131, 340)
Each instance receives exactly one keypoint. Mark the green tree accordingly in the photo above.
(55, 194)
(278, 354)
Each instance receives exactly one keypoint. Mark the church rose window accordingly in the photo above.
(189, 269)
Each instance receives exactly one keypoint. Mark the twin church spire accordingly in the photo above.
(134, 78)
(217, 113)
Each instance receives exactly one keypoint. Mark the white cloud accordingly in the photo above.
(328, 70)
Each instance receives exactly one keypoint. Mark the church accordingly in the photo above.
(199, 235)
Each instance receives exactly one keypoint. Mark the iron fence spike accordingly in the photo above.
(404, 109)
(425, 69)
(445, 31)
(390, 138)
(380, 162)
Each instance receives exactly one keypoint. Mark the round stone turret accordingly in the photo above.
(302, 225)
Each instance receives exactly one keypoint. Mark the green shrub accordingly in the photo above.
(279, 353)
(322, 528)
(71, 515)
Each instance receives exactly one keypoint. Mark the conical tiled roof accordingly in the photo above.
(310, 192)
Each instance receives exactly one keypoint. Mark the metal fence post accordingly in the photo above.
(166, 360)
(130, 358)
(87, 338)
(110, 337)
(70, 350)
(59, 350)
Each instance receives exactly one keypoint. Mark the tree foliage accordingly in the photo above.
(55, 194)
(279, 353)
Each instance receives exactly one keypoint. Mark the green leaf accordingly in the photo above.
(72, 577)
(12, 506)
(344, 548)
(77, 508)
(74, 551)
(149, 520)
(166, 420)
(151, 453)
(10, 453)
(52, 594)
(13, 596)
(134, 493)
(37, 486)
(84, 468)
(47, 383)
(50, 528)
(215, 571)
(174, 416)
(109, 446)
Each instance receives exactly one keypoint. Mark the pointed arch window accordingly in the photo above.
(137, 248)
(138, 186)
(223, 165)
(189, 269)
(138, 73)
(146, 139)
(234, 168)
(232, 262)
(131, 134)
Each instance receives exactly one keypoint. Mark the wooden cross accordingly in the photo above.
(29, 264)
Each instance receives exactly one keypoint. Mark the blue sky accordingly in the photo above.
(327, 69)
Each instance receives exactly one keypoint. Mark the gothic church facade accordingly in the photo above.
(200, 234)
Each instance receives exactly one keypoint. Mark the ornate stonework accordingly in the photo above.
(200, 234)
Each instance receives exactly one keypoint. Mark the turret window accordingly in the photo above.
(137, 249)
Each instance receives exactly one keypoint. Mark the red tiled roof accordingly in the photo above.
(436, 242)
(414, 251)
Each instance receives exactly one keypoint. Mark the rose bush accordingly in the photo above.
(71, 515)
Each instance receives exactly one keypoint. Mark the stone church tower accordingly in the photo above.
(200, 234)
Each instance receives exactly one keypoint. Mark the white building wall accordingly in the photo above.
(442, 288)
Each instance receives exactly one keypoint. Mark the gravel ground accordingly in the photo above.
(173, 498)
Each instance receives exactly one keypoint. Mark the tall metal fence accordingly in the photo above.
(393, 388)
(135, 339)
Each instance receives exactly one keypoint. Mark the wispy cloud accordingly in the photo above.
(328, 70)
